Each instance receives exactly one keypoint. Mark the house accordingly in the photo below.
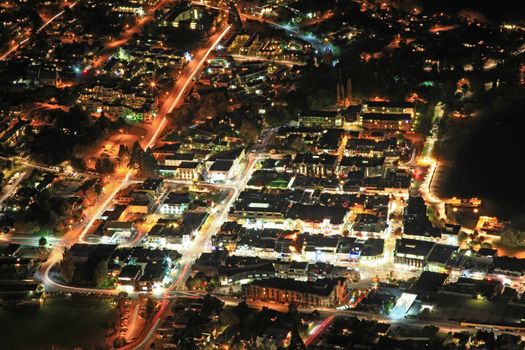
(274, 338)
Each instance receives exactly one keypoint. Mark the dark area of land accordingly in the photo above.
(489, 163)
(492, 10)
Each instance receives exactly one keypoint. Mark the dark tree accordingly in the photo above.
(101, 273)
(150, 307)
(148, 164)
(67, 267)
(136, 156)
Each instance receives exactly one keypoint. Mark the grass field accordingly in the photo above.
(61, 322)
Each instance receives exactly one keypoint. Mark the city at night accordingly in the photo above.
(262, 174)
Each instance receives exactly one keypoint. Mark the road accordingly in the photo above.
(176, 97)
(291, 30)
(38, 166)
(154, 131)
(331, 313)
(135, 321)
(16, 45)
(10, 188)
(198, 245)
(319, 330)
(174, 100)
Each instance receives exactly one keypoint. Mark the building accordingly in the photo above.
(389, 107)
(259, 269)
(315, 165)
(175, 204)
(412, 252)
(129, 275)
(383, 115)
(321, 119)
(439, 257)
(318, 218)
(254, 205)
(326, 292)
(320, 248)
(373, 249)
(384, 121)
(221, 171)
(116, 230)
(152, 186)
(369, 225)
(188, 171)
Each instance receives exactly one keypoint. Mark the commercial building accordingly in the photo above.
(412, 252)
(320, 293)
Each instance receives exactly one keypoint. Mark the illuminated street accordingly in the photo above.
(231, 174)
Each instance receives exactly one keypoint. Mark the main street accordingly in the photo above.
(198, 246)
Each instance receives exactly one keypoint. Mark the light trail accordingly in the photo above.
(43, 26)
(318, 330)
(185, 85)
